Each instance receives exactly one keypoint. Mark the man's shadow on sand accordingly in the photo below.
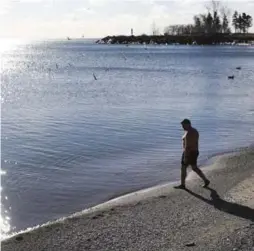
(225, 206)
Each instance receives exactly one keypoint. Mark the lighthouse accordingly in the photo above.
(131, 31)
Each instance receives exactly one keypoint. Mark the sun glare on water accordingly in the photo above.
(9, 44)
(4, 219)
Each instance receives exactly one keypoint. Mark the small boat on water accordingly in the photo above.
(68, 38)
(231, 77)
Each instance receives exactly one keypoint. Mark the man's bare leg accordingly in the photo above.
(183, 174)
(183, 177)
(201, 175)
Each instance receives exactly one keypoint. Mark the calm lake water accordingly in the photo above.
(70, 141)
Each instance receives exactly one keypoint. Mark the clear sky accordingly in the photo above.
(98, 18)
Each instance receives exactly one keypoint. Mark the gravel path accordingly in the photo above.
(192, 219)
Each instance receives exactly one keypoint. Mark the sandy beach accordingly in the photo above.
(220, 217)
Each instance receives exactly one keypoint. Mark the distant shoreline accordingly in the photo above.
(194, 39)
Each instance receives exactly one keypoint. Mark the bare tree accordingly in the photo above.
(215, 20)
(213, 6)
(225, 14)
(225, 24)
(224, 10)
(179, 29)
(220, 17)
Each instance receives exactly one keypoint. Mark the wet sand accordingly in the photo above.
(220, 217)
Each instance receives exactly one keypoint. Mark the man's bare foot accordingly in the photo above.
(180, 187)
(207, 182)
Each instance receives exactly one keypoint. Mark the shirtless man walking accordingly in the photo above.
(190, 153)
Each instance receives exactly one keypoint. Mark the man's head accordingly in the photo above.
(186, 124)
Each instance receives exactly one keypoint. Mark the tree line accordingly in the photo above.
(241, 22)
(216, 20)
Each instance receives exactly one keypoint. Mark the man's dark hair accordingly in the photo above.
(186, 122)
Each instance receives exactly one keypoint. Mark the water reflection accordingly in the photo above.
(5, 218)
(73, 142)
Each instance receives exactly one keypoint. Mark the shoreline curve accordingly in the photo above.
(134, 197)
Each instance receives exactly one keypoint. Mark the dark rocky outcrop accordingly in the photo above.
(200, 39)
